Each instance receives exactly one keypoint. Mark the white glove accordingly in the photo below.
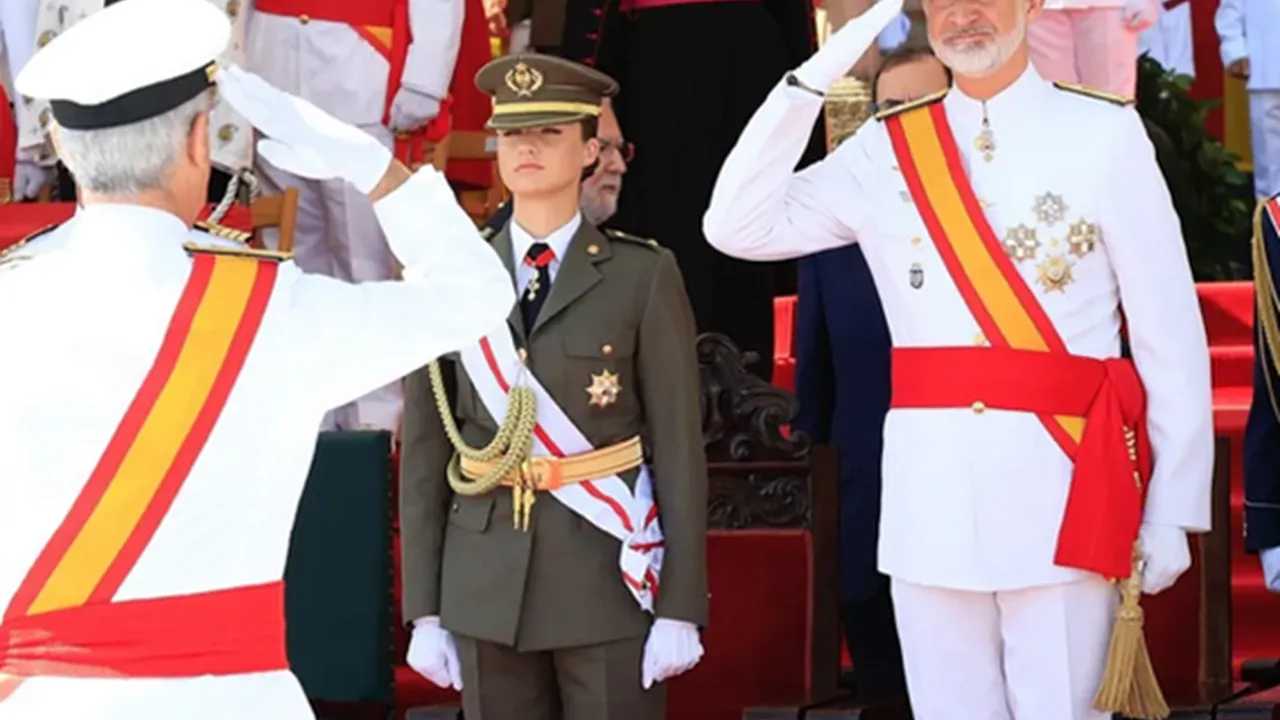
(1140, 14)
(29, 178)
(673, 648)
(846, 45)
(433, 654)
(1166, 554)
(302, 138)
(412, 109)
(1271, 568)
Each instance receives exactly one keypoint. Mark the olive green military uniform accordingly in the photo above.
(544, 624)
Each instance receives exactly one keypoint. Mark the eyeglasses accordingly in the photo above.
(626, 149)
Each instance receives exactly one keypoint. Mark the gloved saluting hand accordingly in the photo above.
(846, 45)
(301, 138)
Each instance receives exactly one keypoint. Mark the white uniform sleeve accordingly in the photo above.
(761, 209)
(437, 35)
(1143, 240)
(1229, 21)
(358, 337)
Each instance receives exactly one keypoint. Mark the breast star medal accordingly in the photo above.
(604, 389)
(1021, 243)
(1049, 209)
(1054, 274)
(1083, 237)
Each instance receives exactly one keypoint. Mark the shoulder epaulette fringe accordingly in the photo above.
(919, 102)
(1094, 93)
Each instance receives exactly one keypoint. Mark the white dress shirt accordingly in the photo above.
(85, 314)
(558, 241)
(975, 501)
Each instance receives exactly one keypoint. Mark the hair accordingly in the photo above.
(590, 128)
(130, 159)
(899, 56)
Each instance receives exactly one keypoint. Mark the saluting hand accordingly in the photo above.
(301, 138)
(846, 45)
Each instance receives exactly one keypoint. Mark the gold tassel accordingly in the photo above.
(1129, 684)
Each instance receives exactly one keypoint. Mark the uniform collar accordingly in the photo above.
(129, 238)
(1025, 92)
(558, 240)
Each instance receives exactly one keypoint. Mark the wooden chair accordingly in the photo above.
(278, 211)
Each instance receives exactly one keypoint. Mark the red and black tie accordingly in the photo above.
(539, 258)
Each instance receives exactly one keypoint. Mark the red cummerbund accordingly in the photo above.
(224, 632)
(379, 13)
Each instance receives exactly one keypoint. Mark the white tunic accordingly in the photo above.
(84, 318)
(975, 501)
(1251, 28)
(330, 65)
(230, 136)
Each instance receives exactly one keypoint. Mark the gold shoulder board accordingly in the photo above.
(244, 252)
(10, 254)
(224, 232)
(1095, 94)
(919, 102)
(628, 237)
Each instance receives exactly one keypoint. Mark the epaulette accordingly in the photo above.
(912, 105)
(1095, 94)
(10, 254)
(628, 237)
(245, 252)
(224, 232)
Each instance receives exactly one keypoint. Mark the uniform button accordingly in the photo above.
(606, 349)
(917, 240)
(304, 19)
(593, 249)
(226, 133)
(979, 407)
(456, 507)
(524, 355)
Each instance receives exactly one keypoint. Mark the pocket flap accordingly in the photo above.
(471, 513)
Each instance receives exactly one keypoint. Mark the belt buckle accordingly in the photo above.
(542, 473)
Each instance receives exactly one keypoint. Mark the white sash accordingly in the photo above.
(493, 367)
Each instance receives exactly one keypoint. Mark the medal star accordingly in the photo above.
(1049, 209)
(604, 389)
(1083, 237)
(1021, 243)
(1054, 274)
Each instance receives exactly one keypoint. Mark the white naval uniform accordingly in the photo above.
(230, 136)
(1086, 42)
(1251, 29)
(1170, 41)
(84, 320)
(972, 502)
(330, 65)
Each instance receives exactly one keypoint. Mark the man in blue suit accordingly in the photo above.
(1262, 434)
(842, 379)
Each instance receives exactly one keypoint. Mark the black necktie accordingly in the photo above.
(535, 293)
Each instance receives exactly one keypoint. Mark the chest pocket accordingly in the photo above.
(599, 372)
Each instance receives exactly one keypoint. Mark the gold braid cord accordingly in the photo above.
(511, 446)
(1267, 304)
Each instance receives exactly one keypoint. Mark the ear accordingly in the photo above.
(591, 153)
(198, 140)
(1033, 9)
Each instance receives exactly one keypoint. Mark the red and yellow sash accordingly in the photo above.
(157, 442)
(1028, 366)
(1001, 302)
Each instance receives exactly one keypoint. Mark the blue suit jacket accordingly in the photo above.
(842, 380)
(1262, 433)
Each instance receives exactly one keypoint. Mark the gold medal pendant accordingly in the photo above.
(985, 143)
(604, 389)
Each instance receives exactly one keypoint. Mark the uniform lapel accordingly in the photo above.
(577, 274)
(502, 245)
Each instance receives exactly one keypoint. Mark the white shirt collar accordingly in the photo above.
(558, 241)
(1025, 92)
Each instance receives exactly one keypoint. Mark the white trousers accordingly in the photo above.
(1090, 46)
(338, 235)
(1031, 654)
(1264, 131)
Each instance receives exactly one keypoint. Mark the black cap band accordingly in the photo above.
(136, 105)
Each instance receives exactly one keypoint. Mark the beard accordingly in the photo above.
(979, 57)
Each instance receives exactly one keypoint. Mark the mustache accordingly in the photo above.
(971, 32)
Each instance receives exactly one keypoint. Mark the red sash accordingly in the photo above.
(155, 446)
(1097, 416)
